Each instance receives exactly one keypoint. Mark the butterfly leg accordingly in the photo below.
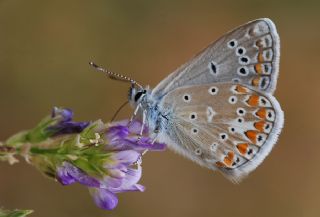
(143, 123)
(155, 138)
(156, 130)
(134, 114)
(139, 161)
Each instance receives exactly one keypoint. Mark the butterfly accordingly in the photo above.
(218, 109)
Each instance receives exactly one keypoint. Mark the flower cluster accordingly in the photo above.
(104, 157)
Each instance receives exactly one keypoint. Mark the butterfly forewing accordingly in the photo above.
(224, 126)
(248, 55)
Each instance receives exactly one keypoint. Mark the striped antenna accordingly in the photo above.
(114, 75)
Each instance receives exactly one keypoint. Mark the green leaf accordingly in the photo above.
(15, 213)
(35, 135)
(39, 133)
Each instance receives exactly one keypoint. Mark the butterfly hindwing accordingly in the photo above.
(224, 126)
(248, 55)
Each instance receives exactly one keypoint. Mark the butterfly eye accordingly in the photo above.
(139, 94)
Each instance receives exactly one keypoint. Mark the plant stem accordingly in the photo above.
(7, 150)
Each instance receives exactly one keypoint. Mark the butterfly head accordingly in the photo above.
(137, 95)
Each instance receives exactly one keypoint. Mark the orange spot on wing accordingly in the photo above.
(260, 57)
(252, 135)
(220, 164)
(260, 125)
(253, 100)
(256, 81)
(258, 68)
(242, 147)
(231, 155)
(241, 89)
(261, 113)
(228, 160)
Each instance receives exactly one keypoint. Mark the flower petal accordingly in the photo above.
(145, 143)
(123, 136)
(68, 174)
(116, 132)
(104, 198)
(110, 182)
(68, 127)
(64, 177)
(117, 173)
(64, 123)
(132, 177)
(134, 126)
(127, 157)
(128, 183)
(136, 187)
(65, 114)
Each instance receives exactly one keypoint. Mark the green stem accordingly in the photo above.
(35, 150)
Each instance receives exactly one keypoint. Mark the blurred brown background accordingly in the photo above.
(45, 47)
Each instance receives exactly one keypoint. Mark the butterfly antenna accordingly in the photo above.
(119, 109)
(114, 75)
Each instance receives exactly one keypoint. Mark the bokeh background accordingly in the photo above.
(45, 47)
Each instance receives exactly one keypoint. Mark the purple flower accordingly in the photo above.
(123, 137)
(106, 158)
(122, 177)
(121, 168)
(65, 125)
(68, 174)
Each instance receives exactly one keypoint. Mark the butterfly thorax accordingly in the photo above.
(144, 103)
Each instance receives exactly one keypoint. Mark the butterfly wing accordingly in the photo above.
(225, 126)
(247, 55)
